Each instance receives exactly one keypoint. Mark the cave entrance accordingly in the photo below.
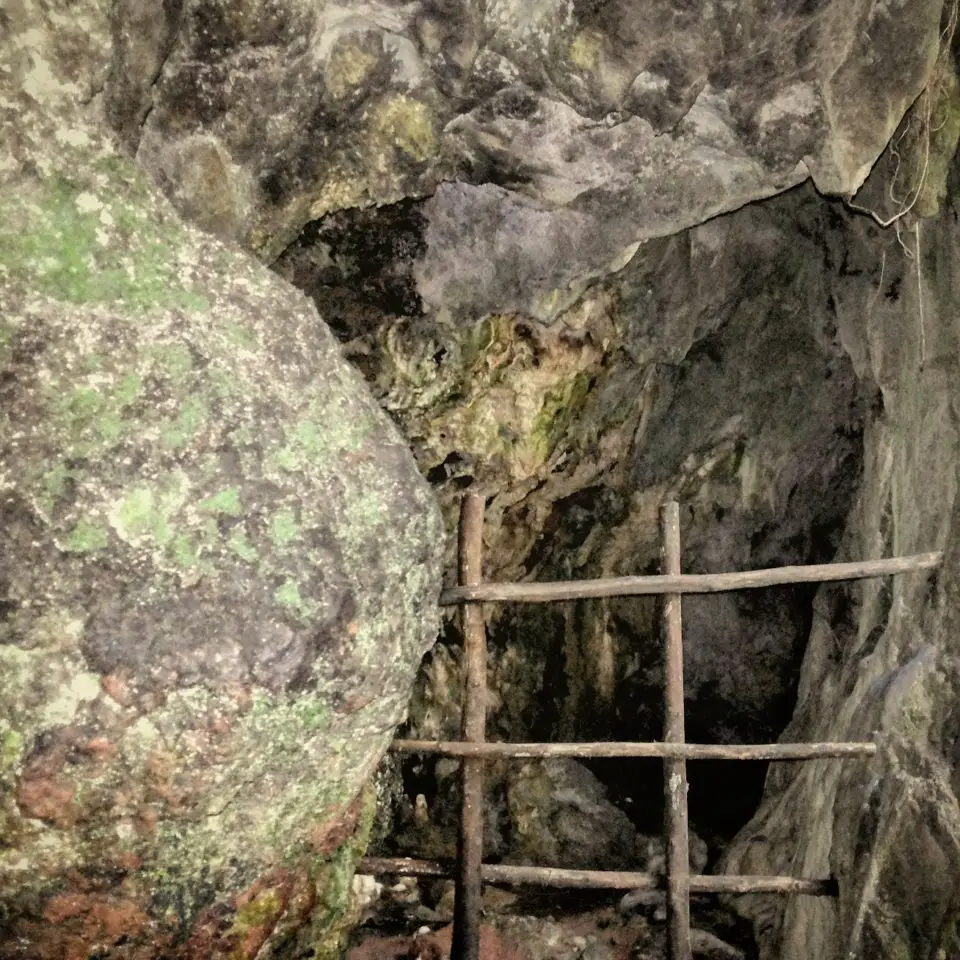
(676, 882)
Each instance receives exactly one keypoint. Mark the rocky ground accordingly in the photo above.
(406, 922)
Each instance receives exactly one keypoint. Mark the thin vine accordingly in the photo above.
(921, 129)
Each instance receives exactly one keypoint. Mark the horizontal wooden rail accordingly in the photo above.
(686, 582)
(599, 879)
(685, 751)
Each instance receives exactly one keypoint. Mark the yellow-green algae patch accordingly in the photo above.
(508, 397)
(403, 122)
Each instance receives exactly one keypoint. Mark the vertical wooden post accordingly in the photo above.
(469, 887)
(675, 771)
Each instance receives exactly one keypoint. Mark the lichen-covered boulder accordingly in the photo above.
(218, 563)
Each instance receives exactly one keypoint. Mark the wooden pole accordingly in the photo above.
(600, 879)
(676, 751)
(675, 769)
(687, 583)
(469, 879)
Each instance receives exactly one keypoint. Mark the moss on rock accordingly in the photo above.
(220, 564)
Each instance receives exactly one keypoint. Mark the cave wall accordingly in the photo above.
(882, 656)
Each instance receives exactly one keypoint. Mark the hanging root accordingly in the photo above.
(917, 132)
(909, 182)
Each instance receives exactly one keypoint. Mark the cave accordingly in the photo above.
(593, 670)
(282, 282)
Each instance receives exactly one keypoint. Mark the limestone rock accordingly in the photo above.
(882, 658)
(218, 563)
(570, 127)
(560, 817)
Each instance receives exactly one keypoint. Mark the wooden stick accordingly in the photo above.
(469, 881)
(687, 583)
(599, 879)
(685, 751)
(674, 768)
(772, 884)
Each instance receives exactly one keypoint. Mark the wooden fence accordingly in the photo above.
(471, 872)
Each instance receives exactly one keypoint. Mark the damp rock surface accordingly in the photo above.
(882, 659)
(560, 817)
(261, 117)
(527, 223)
(218, 562)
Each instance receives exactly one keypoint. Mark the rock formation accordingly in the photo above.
(218, 563)
(587, 255)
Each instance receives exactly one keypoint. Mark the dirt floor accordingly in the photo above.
(402, 926)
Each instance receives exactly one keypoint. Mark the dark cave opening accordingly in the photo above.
(723, 795)
(765, 468)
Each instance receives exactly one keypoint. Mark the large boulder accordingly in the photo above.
(218, 562)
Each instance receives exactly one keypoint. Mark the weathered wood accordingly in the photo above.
(469, 880)
(687, 583)
(674, 768)
(470, 872)
(599, 879)
(500, 873)
(686, 751)
(760, 884)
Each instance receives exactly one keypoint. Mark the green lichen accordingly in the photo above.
(288, 595)
(7, 333)
(179, 431)
(560, 406)
(315, 441)
(225, 501)
(241, 337)
(128, 389)
(85, 537)
(284, 528)
(185, 551)
(68, 243)
(279, 720)
(173, 360)
(364, 513)
(52, 485)
(11, 749)
(239, 544)
(146, 512)
(91, 418)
